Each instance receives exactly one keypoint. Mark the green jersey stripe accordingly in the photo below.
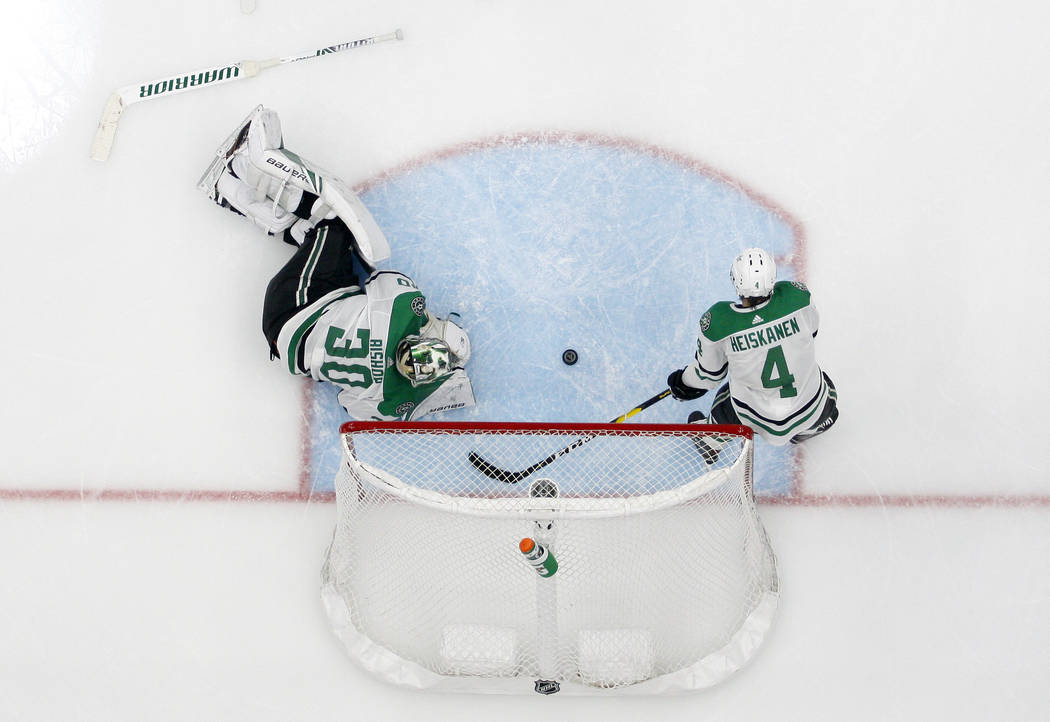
(311, 264)
(786, 430)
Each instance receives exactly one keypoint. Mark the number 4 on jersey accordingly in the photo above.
(777, 364)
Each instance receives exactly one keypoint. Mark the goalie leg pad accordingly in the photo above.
(281, 194)
(232, 181)
(335, 199)
(232, 192)
(254, 153)
(268, 155)
(369, 238)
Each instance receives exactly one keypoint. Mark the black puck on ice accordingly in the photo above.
(569, 356)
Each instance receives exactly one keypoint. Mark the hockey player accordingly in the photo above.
(328, 313)
(765, 345)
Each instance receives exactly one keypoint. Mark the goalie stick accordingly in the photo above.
(513, 477)
(170, 85)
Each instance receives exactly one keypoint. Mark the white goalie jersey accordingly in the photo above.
(348, 337)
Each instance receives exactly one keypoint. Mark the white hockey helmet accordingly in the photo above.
(422, 360)
(753, 273)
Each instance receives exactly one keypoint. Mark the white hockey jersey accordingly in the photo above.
(348, 337)
(775, 384)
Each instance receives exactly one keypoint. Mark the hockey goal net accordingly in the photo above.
(665, 578)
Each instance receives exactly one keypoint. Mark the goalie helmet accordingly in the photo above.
(753, 273)
(422, 360)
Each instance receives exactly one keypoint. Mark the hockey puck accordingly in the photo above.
(569, 356)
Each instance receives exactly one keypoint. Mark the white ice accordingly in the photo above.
(155, 560)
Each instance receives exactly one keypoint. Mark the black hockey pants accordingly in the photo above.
(327, 261)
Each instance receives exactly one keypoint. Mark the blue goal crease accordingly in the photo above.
(542, 246)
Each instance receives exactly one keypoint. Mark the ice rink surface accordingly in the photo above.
(561, 174)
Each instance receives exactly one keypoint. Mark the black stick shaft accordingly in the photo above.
(513, 477)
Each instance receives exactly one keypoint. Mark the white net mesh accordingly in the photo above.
(665, 577)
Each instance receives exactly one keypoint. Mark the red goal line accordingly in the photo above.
(303, 495)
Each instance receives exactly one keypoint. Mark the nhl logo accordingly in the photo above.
(547, 686)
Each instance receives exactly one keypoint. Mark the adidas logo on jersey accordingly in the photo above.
(756, 319)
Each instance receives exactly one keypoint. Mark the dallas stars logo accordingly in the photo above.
(705, 321)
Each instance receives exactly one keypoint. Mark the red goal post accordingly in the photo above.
(664, 577)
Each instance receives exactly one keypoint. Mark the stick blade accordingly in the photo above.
(107, 128)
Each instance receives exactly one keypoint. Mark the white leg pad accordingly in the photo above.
(269, 216)
(371, 242)
(293, 171)
(255, 152)
(266, 186)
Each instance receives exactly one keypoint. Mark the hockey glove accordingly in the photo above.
(680, 390)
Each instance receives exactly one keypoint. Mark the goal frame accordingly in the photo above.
(352, 426)
(708, 671)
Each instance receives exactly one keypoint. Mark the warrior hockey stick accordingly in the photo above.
(513, 477)
(123, 97)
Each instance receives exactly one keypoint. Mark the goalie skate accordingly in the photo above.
(208, 182)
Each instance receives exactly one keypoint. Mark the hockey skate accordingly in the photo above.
(826, 423)
(208, 182)
(710, 447)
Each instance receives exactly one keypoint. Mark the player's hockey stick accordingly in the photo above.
(513, 477)
(172, 84)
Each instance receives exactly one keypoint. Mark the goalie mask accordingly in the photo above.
(753, 273)
(422, 360)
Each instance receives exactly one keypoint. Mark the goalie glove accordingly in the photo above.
(680, 390)
(456, 338)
